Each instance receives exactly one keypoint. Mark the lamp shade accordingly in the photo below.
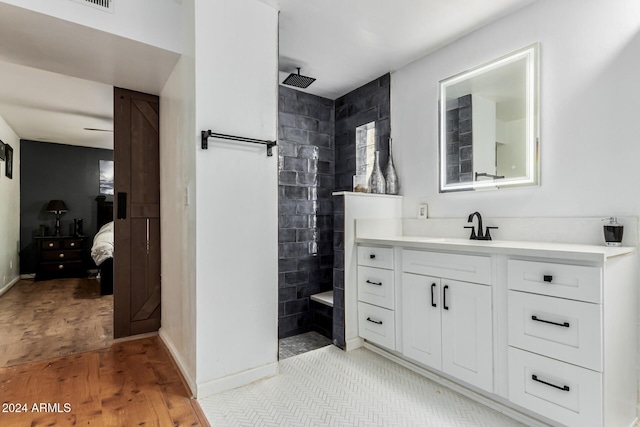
(56, 206)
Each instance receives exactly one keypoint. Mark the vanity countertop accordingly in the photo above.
(542, 249)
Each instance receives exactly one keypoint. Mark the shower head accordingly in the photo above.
(298, 80)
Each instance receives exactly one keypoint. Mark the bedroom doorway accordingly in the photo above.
(137, 213)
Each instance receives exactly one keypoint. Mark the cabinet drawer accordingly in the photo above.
(377, 325)
(72, 244)
(60, 268)
(567, 330)
(468, 268)
(61, 255)
(50, 244)
(576, 282)
(375, 257)
(376, 286)
(563, 392)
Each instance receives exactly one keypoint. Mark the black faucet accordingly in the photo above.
(481, 235)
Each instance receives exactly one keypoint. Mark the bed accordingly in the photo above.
(102, 248)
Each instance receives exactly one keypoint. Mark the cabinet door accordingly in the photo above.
(467, 347)
(421, 322)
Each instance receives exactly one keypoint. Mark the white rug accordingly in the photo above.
(329, 387)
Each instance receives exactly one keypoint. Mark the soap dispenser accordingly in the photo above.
(613, 232)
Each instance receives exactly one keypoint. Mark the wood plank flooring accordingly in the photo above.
(129, 384)
(51, 318)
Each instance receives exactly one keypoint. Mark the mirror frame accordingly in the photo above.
(532, 114)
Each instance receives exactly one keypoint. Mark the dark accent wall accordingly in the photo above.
(459, 141)
(305, 208)
(363, 105)
(57, 171)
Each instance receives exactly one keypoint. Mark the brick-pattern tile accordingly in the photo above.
(459, 141)
(306, 182)
(368, 103)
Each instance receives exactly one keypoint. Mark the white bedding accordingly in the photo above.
(102, 248)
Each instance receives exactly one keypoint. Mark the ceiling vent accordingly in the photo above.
(105, 5)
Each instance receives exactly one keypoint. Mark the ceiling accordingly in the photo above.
(76, 92)
(343, 44)
(346, 44)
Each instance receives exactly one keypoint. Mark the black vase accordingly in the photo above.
(77, 227)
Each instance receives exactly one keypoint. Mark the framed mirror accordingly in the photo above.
(488, 124)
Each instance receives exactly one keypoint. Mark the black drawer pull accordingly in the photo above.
(372, 256)
(374, 283)
(564, 324)
(563, 388)
(444, 297)
(433, 303)
(547, 278)
(377, 322)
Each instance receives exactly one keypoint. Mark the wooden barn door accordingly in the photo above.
(137, 213)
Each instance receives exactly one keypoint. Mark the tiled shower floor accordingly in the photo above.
(298, 344)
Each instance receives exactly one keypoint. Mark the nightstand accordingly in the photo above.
(60, 257)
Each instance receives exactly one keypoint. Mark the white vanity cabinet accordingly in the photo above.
(376, 296)
(565, 354)
(546, 330)
(447, 323)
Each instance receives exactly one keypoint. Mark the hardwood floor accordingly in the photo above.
(51, 318)
(131, 383)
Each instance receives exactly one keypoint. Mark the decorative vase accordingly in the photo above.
(377, 183)
(390, 175)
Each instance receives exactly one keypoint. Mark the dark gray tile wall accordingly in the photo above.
(371, 102)
(338, 271)
(459, 142)
(318, 156)
(363, 105)
(306, 181)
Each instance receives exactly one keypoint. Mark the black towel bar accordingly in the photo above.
(207, 133)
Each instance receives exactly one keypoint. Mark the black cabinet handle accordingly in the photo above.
(564, 324)
(563, 388)
(122, 205)
(374, 283)
(433, 303)
(444, 297)
(547, 278)
(372, 256)
(377, 322)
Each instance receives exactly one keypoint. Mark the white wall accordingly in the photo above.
(177, 176)
(512, 156)
(483, 119)
(9, 212)
(590, 102)
(236, 192)
(148, 21)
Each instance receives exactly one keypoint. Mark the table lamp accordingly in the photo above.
(57, 207)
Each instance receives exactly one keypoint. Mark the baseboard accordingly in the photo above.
(497, 406)
(28, 276)
(135, 337)
(634, 423)
(9, 285)
(175, 355)
(354, 343)
(237, 380)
